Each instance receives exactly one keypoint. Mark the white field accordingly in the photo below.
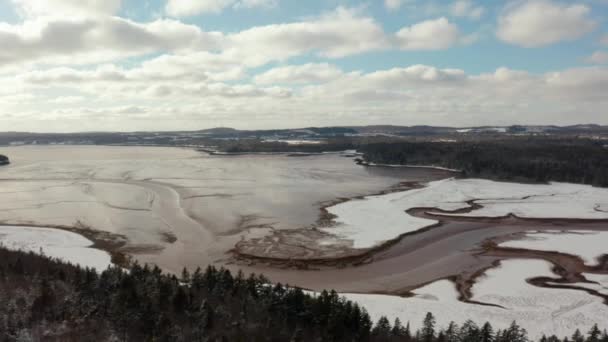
(55, 243)
(415, 166)
(376, 219)
(589, 245)
(601, 282)
(538, 310)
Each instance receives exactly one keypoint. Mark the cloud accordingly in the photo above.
(542, 22)
(299, 74)
(67, 99)
(604, 40)
(418, 74)
(589, 83)
(598, 57)
(256, 4)
(393, 5)
(466, 8)
(35, 8)
(437, 34)
(186, 8)
(336, 34)
(89, 40)
(325, 95)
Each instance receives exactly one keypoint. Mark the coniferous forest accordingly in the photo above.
(535, 160)
(47, 300)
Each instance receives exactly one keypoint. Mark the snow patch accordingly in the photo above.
(55, 243)
(376, 219)
(538, 310)
(589, 245)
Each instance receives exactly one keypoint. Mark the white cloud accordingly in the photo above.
(435, 34)
(393, 5)
(186, 8)
(418, 74)
(604, 40)
(52, 66)
(580, 83)
(67, 99)
(34, 8)
(336, 34)
(88, 40)
(466, 8)
(598, 57)
(408, 95)
(299, 74)
(256, 4)
(542, 22)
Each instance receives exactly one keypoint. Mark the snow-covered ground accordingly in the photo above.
(538, 310)
(415, 166)
(589, 245)
(295, 141)
(598, 282)
(601, 281)
(55, 243)
(376, 219)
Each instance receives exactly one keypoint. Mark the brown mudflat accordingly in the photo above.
(457, 248)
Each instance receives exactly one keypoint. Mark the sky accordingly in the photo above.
(134, 65)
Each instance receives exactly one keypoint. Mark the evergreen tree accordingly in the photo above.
(578, 336)
(382, 329)
(428, 328)
(398, 329)
(452, 333)
(594, 335)
(487, 333)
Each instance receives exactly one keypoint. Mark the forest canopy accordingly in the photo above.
(44, 299)
(535, 160)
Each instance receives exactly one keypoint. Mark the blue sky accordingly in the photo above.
(487, 54)
(173, 64)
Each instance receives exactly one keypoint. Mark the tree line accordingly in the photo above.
(48, 300)
(536, 160)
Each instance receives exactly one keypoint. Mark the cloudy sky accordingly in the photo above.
(122, 65)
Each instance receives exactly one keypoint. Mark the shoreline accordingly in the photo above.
(102, 240)
(358, 255)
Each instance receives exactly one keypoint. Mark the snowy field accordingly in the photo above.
(596, 282)
(538, 310)
(376, 219)
(589, 245)
(55, 243)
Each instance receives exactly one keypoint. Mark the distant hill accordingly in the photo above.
(363, 133)
(219, 131)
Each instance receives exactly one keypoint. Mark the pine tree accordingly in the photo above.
(487, 333)
(398, 329)
(428, 328)
(452, 333)
(469, 332)
(407, 333)
(185, 279)
(382, 329)
(578, 336)
(594, 335)
(514, 334)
